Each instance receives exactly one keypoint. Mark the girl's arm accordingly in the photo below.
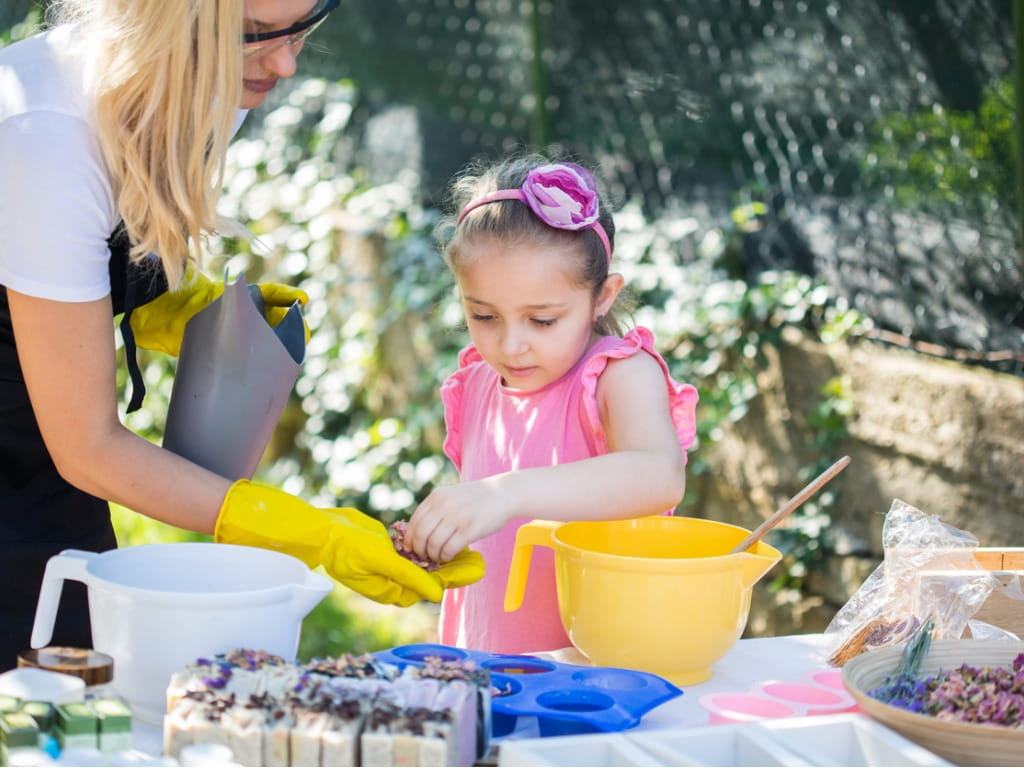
(642, 474)
(66, 352)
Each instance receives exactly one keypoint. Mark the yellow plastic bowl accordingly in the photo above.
(658, 594)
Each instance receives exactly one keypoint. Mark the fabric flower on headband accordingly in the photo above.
(562, 195)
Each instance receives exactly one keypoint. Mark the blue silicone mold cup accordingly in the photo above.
(564, 698)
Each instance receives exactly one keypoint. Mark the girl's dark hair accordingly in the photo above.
(512, 220)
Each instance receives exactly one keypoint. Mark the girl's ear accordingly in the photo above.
(608, 293)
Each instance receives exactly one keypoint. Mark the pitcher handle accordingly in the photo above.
(535, 533)
(69, 564)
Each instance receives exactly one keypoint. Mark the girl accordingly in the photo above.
(113, 130)
(552, 413)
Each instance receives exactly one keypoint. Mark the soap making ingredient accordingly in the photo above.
(397, 532)
(989, 695)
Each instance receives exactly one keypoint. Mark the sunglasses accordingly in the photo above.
(256, 44)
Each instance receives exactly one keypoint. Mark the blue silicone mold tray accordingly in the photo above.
(565, 698)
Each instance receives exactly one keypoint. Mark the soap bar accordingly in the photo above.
(115, 725)
(77, 725)
(9, 704)
(18, 730)
(40, 711)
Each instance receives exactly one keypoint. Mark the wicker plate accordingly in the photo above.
(960, 743)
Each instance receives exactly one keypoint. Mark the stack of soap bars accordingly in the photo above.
(352, 710)
(104, 724)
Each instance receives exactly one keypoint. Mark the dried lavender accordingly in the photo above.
(983, 695)
(903, 687)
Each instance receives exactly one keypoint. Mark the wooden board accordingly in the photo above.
(1004, 607)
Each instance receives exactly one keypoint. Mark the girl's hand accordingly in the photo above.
(454, 516)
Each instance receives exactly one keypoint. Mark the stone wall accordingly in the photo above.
(943, 437)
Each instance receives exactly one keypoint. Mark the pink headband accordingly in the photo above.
(562, 195)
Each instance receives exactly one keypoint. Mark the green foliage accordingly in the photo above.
(807, 538)
(133, 529)
(944, 158)
(347, 622)
(23, 29)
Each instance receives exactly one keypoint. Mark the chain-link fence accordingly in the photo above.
(868, 143)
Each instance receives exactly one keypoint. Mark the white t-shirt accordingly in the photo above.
(57, 207)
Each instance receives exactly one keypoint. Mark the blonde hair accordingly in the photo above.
(512, 221)
(167, 79)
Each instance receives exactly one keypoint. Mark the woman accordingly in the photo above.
(114, 126)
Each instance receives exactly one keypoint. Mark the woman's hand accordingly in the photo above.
(160, 324)
(454, 516)
(353, 547)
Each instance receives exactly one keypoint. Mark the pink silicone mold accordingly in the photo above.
(743, 707)
(817, 693)
(808, 699)
(829, 678)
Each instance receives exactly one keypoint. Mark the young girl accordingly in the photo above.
(553, 413)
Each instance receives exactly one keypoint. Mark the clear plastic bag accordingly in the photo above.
(928, 570)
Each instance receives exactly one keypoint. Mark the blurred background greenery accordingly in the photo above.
(769, 162)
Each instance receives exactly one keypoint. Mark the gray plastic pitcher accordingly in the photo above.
(234, 375)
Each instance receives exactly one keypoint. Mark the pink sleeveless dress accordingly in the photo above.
(493, 429)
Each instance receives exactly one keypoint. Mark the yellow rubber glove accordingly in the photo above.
(352, 547)
(465, 568)
(160, 324)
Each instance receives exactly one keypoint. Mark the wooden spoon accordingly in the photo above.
(783, 512)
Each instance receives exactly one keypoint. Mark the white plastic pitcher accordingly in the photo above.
(156, 607)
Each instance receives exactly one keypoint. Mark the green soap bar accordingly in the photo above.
(115, 724)
(41, 712)
(9, 704)
(76, 718)
(114, 715)
(18, 730)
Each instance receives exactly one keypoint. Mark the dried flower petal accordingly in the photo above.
(397, 533)
(983, 695)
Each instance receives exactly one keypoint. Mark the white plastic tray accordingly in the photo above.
(585, 749)
(847, 739)
(738, 744)
(851, 740)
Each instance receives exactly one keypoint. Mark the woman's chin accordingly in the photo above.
(251, 99)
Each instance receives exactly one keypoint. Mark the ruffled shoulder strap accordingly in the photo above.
(452, 397)
(682, 398)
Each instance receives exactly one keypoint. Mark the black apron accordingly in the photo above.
(41, 514)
